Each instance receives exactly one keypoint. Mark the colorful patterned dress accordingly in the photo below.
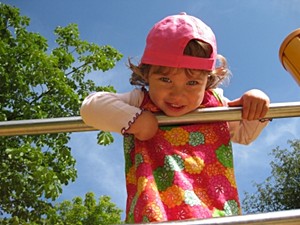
(183, 172)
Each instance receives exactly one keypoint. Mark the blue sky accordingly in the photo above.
(249, 34)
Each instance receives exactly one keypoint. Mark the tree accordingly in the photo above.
(281, 190)
(79, 212)
(87, 212)
(37, 82)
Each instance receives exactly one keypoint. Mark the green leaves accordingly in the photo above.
(78, 212)
(281, 190)
(29, 174)
(105, 138)
(38, 82)
(87, 212)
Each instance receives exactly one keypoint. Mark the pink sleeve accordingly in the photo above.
(110, 111)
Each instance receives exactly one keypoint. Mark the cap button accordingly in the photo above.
(182, 13)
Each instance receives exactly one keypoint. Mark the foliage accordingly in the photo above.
(281, 190)
(87, 212)
(37, 82)
(79, 212)
(104, 138)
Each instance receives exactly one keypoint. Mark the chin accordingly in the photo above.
(175, 114)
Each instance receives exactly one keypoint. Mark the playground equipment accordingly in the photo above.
(75, 124)
(290, 217)
(290, 58)
(289, 54)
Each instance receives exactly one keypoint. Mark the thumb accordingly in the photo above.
(236, 102)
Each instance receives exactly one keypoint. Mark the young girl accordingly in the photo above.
(183, 171)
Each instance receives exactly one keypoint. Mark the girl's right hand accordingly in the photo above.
(144, 127)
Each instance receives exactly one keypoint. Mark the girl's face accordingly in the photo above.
(175, 92)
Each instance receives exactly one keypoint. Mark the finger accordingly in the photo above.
(256, 111)
(246, 112)
(259, 111)
(236, 102)
(263, 110)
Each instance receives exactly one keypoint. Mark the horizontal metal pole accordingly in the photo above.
(276, 110)
(75, 124)
(289, 217)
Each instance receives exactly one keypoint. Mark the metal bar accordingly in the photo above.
(75, 124)
(289, 217)
(276, 110)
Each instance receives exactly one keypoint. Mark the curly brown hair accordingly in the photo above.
(195, 48)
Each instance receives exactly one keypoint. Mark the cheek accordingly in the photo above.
(154, 95)
(197, 99)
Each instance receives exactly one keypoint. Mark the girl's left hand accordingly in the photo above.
(255, 104)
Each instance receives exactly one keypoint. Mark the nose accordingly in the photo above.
(176, 91)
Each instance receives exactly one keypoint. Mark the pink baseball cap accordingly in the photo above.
(168, 38)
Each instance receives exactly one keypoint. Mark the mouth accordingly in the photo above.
(175, 107)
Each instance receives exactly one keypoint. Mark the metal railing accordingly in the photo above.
(75, 124)
(289, 217)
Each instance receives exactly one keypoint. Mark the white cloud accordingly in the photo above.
(281, 130)
(100, 169)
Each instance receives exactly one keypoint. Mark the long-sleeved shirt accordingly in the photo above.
(115, 112)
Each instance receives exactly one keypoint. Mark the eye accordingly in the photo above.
(192, 82)
(165, 79)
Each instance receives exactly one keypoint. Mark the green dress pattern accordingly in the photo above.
(183, 172)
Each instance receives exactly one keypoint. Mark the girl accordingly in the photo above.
(183, 171)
